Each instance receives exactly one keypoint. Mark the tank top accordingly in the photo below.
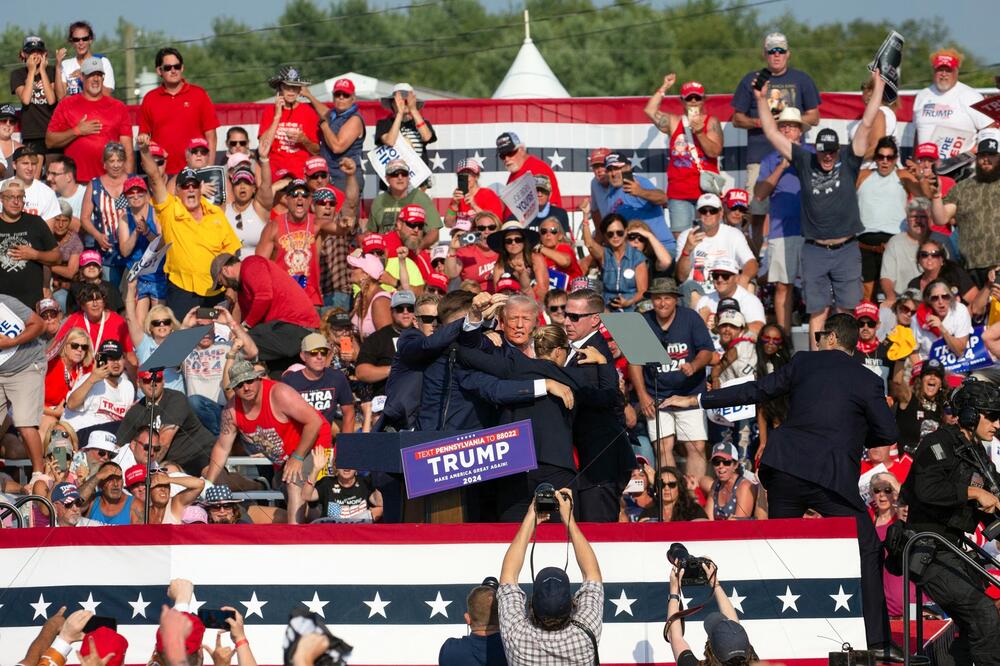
(367, 324)
(248, 227)
(914, 422)
(296, 251)
(335, 122)
(683, 178)
(108, 212)
(724, 512)
(266, 434)
(882, 202)
(123, 517)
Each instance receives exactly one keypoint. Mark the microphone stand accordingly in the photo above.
(657, 484)
(157, 378)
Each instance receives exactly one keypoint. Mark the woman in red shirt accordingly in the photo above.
(292, 125)
(559, 256)
(64, 369)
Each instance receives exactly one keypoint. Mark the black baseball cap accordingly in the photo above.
(988, 146)
(186, 175)
(727, 637)
(8, 111)
(24, 151)
(111, 349)
(827, 141)
(33, 44)
(550, 594)
(339, 320)
(727, 304)
(507, 143)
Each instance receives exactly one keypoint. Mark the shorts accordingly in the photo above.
(785, 259)
(25, 393)
(681, 214)
(155, 289)
(757, 207)
(687, 424)
(871, 261)
(831, 277)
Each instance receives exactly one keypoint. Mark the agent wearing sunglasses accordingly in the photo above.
(948, 491)
(176, 111)
(695, 145)
(323, 387)
(292, 125)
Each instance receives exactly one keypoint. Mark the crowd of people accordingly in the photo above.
(320, 313)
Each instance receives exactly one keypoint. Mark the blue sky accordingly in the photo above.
(969, 20)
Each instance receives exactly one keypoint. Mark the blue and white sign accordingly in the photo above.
(976, 355)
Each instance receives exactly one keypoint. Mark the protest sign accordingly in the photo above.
(989, 107)
(886, 62)
(557, 279)
(401, 150)
(462, 460)
(952, 141)
(976, 355)
(11, 326)
(521, 198)
(727, 416)
(150, 259)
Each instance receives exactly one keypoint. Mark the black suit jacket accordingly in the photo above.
(837, 407)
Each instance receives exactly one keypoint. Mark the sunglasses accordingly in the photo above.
(190, 185)
(576, 316)
(514, 240)
(77, 346)
(170, 68)
(768, 340)
(547, 232)
(427, 319)
(617, 233)
(939, 297)
(419, 226)
(671, 484)
(79, 40)
(342, 95)
(49, 314)
(867, 323)
(722, 462)
(557, 308)
(708, 211)
(156, 449)
(319, 175)
(903, 309)
(991, 415)
(246, 383)
(693, 98)
(402, 308)
(491, 227)
(101, 453)
(298, 194)
(635, 237)
(884, 158)
(12, 122)
(405, 174)
(818, 335)
(242, 144)
(325, 202)
(318, 352)
(925, 255)
(199, 151)
(777, 51)
(160, 163)
(882, 491)
(721, 277)
(161, 322)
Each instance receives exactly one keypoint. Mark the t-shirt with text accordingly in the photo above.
(829, 200)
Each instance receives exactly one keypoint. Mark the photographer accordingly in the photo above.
(555, 628)
(483, 644)
(727, 641)
(951, 490)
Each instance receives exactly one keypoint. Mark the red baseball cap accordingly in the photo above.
(106, 641)
(866, 309)
(344, 85)
(134, 475)
(90, 257)
(135, 183)
(372, 242)
(926, 150)
(692, 88)
(316, 165)
(945, 60)
(192, 643)
(438, 281)
(412, 213)
(597, 155)
(735, 197)
(506, 283)
(197, 142)
(156, 150)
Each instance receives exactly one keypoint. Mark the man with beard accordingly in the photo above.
(110, 505)
(409, 232)
(973, 203)
(290, 239)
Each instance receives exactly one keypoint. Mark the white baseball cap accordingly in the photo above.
(709, 199)
(104, 441)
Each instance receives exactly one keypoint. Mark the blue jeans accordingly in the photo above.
(208, 411)
(681, 214)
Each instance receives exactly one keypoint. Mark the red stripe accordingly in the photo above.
(589, 110)
(152, 535)
(787, 662)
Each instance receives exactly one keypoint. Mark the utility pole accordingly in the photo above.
(129, 63)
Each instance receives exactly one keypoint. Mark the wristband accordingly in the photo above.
(298, 457)
(422, 123)
(685, 253)
(240, 643)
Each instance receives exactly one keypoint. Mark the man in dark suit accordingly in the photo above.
(606, 457)
(813, 460)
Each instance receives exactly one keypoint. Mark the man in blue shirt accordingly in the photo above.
(599, 184)
(636, 198)
(687, 342)
(482, 645)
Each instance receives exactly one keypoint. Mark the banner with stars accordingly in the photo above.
(396, 592)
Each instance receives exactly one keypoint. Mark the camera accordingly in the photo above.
(694, 572)
(545, 499)
(207, 313)
(469, 239)
(100, 359)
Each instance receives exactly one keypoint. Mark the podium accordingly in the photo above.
(379, 452)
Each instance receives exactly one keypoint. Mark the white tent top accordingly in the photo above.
(529, 76)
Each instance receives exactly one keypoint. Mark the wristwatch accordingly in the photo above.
(673, 596)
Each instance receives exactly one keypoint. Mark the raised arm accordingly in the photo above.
(135, 329)
(513, 560)
(192, 485)
(157, 188)
(665, 122)
(585, 556)
(861, 137)
(769, 126)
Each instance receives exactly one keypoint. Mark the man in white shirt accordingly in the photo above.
(100, 399)
(61, 177)
(706, 242)
(39, 199)
(943, 111)
(723, 272)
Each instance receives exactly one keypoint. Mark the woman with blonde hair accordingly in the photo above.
(147, 337)
(371, 305)
(75, 354)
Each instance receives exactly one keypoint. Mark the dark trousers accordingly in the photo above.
(599, 503)
(960, 593)
(181, 301)
(789, 496)
(278, 344)
(516, 492)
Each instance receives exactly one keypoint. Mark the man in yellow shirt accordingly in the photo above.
(198, 231)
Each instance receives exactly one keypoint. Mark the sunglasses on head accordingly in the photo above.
(926, 255)
(722, 462)
(405, 307)
(241, 144)
(513, 240)
(415, 225)
(427, 319)
(576, 316)
(708, 210)
(171, 68)
(486, 227)
(617, 233)
(317, 352)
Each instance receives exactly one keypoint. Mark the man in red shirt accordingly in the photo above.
(464, 205)
(514, 155)
(83, 124)
(925, 156)
(293, 125)
(276, 311)
(177, 111)
(408, 233)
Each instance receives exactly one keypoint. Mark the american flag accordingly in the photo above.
(396, 592)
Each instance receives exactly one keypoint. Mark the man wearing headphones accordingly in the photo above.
(950, 490)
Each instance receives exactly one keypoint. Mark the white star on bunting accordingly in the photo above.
(139, 606)
(41, 608)
(377, 606)
(316, 605)
(622, 604)
(194, 605)
(841, 599)
(439, 605)
(736, 600)
(437, 162)
(479, 158)
(636, 160)
(556, 160)
(788, 600)
(685, 601)
(90, 604)
(254, 606)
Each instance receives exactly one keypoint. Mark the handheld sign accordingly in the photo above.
(989, 107)
(216, 175)
(462, 460)
(952, 141)
(150, 259)
(886, 62)
(976, 355)
(12, 326)
(521, 198)
(727, 416)
(401, 150)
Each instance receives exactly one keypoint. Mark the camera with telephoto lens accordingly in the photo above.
(545, 499)
(694, 571)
